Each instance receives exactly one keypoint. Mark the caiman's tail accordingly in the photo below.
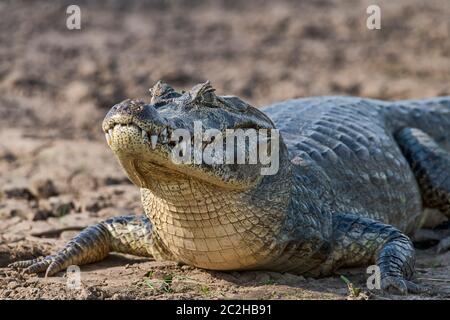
(429, 115)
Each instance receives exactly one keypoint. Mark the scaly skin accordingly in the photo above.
(344, 194)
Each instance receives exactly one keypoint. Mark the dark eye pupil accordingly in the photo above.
(159, 104)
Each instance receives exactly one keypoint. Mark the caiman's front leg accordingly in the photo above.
(362, 241)
(127, 234)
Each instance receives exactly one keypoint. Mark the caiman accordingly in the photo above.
(354, 179)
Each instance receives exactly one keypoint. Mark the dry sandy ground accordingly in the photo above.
(57, 175)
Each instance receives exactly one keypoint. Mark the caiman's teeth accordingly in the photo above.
(163, 135)
(145, 135)
(110, 132)
(154, 139)
(108, 139)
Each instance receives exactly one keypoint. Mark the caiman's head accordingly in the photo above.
(146, 138)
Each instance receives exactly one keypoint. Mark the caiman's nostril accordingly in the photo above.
(129, 107)
(136, 106)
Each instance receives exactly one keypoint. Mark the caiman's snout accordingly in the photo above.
(132, 122)
(133, 112)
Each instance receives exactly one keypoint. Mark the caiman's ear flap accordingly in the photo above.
(203, 93)
(162, 91)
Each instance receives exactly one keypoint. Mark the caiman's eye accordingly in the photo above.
(210, 104)
(235, 103)
(205, 101)
(159, 104)
(247, 125)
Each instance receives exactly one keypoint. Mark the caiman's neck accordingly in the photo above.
(212, 228)
(192, 199)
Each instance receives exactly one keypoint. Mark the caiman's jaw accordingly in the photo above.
(134, 146)
(128, 140)
(141, 136)
(131, 138)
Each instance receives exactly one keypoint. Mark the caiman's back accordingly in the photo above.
(351, 139)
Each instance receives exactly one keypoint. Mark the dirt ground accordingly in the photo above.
(58, 176)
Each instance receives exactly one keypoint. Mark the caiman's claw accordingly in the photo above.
(41, 264)
(397, 285)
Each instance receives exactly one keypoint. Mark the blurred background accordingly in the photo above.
(263, 51)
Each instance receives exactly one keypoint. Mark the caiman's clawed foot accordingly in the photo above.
(399, 285)
(91, 245)
(50, 264)
(127, 234)
(359, 240)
